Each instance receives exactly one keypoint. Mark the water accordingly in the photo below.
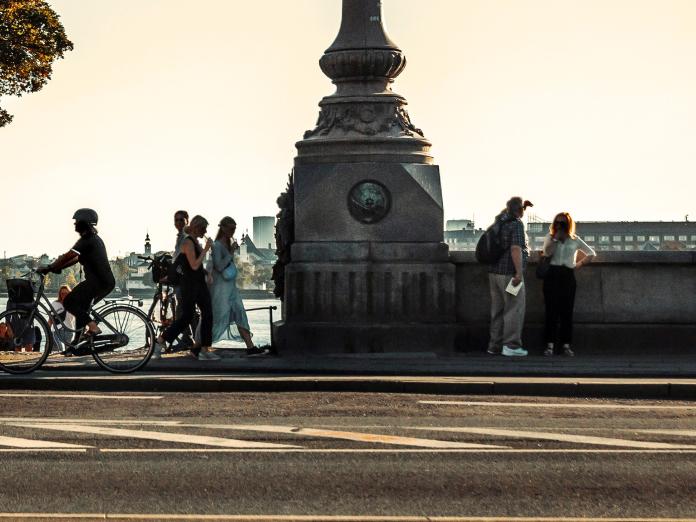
(258, 320)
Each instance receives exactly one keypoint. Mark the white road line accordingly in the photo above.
(561, 437)
(559, 405)
(323, 518)
(351, 435)
(399, 451)
(154, 435)
(14, 442)
(82, 396)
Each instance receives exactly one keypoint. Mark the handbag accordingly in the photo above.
(542, 269)
(230, 272)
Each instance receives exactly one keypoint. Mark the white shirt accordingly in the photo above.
(566, 251)
(69, 318)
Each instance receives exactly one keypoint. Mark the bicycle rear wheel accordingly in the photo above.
(24, 344)
(127, 339)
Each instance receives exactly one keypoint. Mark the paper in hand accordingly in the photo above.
(512, 289)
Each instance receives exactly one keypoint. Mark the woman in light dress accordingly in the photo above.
(562, 245)
(228, 307)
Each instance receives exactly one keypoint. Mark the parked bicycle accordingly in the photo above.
(125, 344)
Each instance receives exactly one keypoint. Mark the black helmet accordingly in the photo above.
(86, 215)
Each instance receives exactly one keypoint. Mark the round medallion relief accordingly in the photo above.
(369, 201)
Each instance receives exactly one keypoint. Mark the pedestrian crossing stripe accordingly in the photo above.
(130, 430)
(155, 435)
(563, 437)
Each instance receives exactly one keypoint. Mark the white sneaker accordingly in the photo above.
(157, 352)
(514, 352)
(208, 356)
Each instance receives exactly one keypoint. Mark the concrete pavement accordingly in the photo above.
(407, 373)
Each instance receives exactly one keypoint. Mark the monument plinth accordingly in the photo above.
(369, 271)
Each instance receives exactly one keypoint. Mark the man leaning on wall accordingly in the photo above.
(506, 278)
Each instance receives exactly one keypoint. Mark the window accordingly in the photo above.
(669, 238)
(618, 248)
(641, 239)
(617, 239)
(629, 239)
(654, 239)
(603, 239)
(589, 238)
(682, 238)
(630, 247)
(693, 238)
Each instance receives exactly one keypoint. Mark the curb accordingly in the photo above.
(596, 388)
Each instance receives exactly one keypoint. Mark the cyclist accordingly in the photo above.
(99, 281)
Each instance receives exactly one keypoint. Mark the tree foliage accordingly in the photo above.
(31, 39)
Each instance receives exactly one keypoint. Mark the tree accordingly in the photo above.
(31, 39)
(262, 275)
(70, 278)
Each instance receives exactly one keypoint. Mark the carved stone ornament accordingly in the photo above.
(373, 119)
(369, 202)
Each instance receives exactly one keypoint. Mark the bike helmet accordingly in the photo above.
(86, 215)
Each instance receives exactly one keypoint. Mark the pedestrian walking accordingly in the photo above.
(562, 246)
(194, 292)
(181, 220)
(228, 307)
(99, 281)
(506, 279)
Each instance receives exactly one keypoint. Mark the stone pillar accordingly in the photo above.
(369, 270)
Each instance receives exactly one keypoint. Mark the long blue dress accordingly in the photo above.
(228, 307)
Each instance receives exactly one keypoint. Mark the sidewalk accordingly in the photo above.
(638, 377)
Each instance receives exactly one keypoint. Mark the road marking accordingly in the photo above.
(14, 442)
(82, 396)
(562, 437)
(398, 451)
(351, 435)
(322, 518)
(558, 405)
(154, 435)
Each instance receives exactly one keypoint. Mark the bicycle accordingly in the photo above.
(162, 312)
(124, 346)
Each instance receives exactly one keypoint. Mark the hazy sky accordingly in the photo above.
(584, 105)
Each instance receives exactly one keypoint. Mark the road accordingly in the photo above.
(345, 454)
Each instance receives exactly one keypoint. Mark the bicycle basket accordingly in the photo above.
(20, 291)
(160, 266)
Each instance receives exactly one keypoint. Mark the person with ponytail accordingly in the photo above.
(194, 292)
(562, 246)
(228, 307)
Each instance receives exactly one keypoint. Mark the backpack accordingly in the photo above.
(160, 266)
(175, 270)
(489, 248)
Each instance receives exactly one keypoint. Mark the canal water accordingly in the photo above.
(258, 320)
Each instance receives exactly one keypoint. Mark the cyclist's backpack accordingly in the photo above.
(489, 248)
(160, 266)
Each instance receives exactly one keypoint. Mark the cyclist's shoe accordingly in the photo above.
(255, 351)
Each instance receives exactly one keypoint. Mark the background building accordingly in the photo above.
(626, 235)
(264, 231)
(462, 235)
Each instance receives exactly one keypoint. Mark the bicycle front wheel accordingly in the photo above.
(127, 339)
(25, 343)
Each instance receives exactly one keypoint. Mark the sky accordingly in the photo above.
(587, 106)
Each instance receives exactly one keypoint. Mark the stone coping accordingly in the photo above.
(607, 258)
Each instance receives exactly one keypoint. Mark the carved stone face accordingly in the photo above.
(369, 202)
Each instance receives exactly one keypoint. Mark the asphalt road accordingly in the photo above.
(345, 454)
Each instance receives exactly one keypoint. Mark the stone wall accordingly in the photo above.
(627, 303)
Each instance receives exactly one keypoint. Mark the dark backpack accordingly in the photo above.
(160, 266)
(175, 270)
(489, 248)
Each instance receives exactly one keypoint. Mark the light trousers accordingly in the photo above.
(507, 314)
